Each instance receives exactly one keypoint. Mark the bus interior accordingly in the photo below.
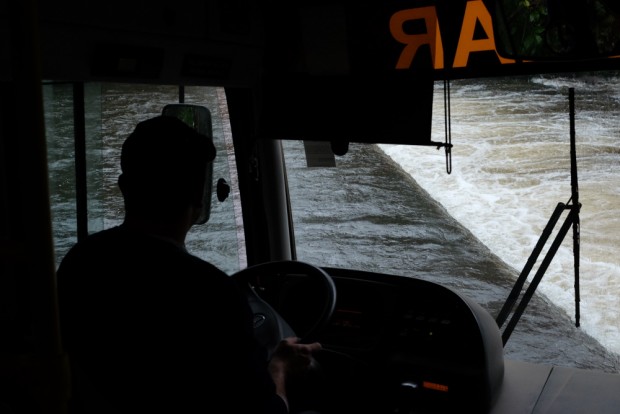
(287, 91)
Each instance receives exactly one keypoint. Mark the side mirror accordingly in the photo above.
(199, 118)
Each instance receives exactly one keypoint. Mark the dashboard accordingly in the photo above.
(393, 343)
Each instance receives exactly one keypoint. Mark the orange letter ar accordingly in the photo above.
(432, 36)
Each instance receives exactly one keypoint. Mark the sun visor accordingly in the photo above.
(349, 109)
(331, 75)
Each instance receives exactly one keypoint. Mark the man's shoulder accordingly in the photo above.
(118, 248)
(110, 236)
(92, 243)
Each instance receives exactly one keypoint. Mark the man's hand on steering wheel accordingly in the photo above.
(269, 326)
(295, 357)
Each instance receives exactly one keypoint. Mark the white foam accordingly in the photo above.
(511, 167)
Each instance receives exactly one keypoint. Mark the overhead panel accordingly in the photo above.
(330, 75)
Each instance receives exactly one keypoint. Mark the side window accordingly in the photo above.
(111, 113)
(59, 130)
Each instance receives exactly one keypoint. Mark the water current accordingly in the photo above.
(511, 167)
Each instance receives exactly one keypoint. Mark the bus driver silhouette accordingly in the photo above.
(150, 327)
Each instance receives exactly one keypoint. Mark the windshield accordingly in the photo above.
(395, 209)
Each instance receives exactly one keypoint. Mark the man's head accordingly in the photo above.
(164, 164)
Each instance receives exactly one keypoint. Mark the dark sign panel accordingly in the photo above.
(454, 38)
(363, 71)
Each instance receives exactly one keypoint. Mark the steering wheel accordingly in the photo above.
(269, 326)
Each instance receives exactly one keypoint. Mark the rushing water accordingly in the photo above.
(511, 167)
